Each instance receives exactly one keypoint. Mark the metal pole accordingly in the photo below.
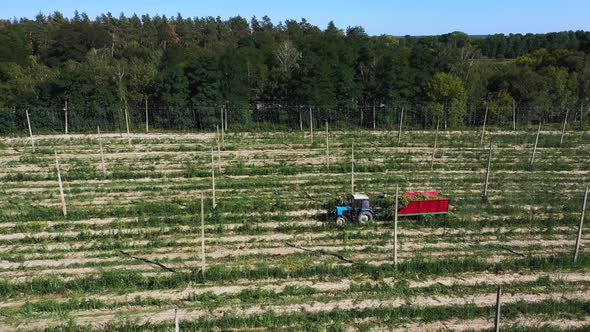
(395, 225)
(30, 130)
(176, 321)
(579, 237)
(498, 306)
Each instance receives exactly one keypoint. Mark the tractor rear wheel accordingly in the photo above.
(340, 220)
(365, 217)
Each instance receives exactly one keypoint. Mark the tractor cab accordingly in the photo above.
(357, 209)
(360, 202)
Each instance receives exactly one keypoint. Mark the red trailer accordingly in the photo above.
(426, 207)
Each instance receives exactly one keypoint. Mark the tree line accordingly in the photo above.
(187, 69)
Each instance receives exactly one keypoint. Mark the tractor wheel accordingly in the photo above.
(340, 220)
(365, 217)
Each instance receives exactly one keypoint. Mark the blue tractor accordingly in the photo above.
(356, 209)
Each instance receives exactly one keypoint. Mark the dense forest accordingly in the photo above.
(185, 70)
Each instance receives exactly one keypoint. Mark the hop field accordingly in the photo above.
(129, 251)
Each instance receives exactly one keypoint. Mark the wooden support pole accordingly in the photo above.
(513, 114)
(563, 129)
(434, 147)
(221, 117)
(213, 179)
(579, 237)
(66, 117)
(147, 123)
(401, 121)
(219, 157)
(176, 320)
(327, 148)
(202, 234)
(311, 124)
(395, 225)
(362, 116)
(374, 116)
(127, 124)
(61, 188)
(487, 178)
(30, 130)
(104, 168)
(483, 128)
(352, 171)
(300, 122)
(222, 129)
(225, 119)
(535, 147)
(498, 306)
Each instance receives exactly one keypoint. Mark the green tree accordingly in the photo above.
(14, 46)
(500, 108)
(448, 89)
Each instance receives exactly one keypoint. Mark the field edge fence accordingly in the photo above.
(261, 117)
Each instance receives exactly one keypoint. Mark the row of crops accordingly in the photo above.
(129, 251)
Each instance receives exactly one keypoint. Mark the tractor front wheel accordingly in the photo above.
(365, 217)
(340, 221)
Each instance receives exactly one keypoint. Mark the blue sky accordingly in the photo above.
(396, 17)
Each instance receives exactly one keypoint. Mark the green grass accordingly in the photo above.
(266, 179)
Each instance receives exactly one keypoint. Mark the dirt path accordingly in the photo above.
(469, 279)
(99, 318)
(488, 324)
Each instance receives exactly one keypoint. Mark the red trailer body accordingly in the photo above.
(429, 207)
